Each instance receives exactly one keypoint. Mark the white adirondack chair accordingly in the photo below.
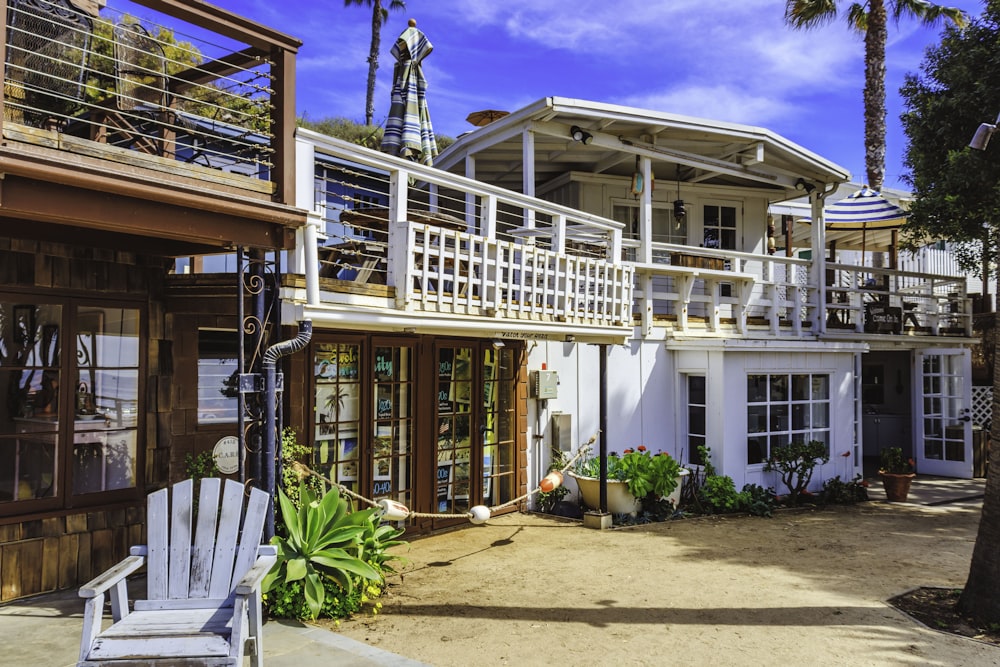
(203, 603)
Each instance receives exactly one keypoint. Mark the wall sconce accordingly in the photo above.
(982, 137)
(581, 135)
(802, 185)
(570, 338)
(497, 343)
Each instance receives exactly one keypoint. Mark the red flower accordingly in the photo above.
(642, 448)
(846, 454)
(627, 451)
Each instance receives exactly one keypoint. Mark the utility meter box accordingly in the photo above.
(545, 384)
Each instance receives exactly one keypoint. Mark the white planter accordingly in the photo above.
(675, 495)
(620, 501)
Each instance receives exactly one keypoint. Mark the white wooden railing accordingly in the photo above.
(725, 287)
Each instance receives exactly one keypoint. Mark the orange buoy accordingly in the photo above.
(552, 481)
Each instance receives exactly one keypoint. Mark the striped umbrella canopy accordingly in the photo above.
(408, 131)
(864, 210)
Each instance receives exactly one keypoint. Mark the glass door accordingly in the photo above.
(943, 445)
(454, 428)
(392, 428)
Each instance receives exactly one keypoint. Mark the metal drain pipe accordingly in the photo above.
(271, 391)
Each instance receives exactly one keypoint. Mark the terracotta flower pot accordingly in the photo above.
(896, 485)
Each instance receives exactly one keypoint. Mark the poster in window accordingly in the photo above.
(444, 484)
(489, 463)
(383, 468)
(348, 460)
(384, 364)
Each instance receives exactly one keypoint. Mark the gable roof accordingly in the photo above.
(696, 149)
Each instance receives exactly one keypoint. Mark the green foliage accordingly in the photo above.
(548, 500)
(718, 494)
(376, 540)
(955, 188)
(646, 474)
(291, 453)
(323, 541)
(287, 600)
(369, 136)
(200, 466)
(891, 460)
(838, 492)
(796, 463)
(756, 500)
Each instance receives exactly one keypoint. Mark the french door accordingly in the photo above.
(942, 407)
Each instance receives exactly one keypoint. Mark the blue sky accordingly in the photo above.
(730, 60)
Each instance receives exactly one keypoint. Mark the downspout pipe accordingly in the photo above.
(270, 455)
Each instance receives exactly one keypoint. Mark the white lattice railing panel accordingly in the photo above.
(982, 404)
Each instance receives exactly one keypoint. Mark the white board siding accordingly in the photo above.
(647, 400)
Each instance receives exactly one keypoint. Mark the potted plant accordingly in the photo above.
(897, 473)
(634, 477)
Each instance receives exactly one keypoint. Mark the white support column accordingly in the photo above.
(470, 201)
(817, 274)
(400, 256)
(488, 213)
(528, 178)
(310, 256)
(559, 234)
(646, 212)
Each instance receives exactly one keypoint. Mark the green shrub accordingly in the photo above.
(795, 463)
(291, 453)
(756, 500)
(323, 540)
(718, 494)
(839, 492)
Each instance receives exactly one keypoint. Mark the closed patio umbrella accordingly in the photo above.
(408, 131)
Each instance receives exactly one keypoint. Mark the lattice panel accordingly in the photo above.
(982, 405)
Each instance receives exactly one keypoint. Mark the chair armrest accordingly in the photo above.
(251, 580)
(111, 577)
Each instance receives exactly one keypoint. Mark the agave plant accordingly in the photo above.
(323, 539)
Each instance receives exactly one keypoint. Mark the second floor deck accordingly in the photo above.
(401, 246)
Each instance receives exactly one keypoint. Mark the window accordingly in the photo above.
(218, 377)
(696, 422)
(719, 226)
(785, 408)
(69, 425)
(337, 373)
(665, 228)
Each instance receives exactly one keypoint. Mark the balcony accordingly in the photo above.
(401, 246)
(192, 94)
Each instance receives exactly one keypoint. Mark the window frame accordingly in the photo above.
(790, 432)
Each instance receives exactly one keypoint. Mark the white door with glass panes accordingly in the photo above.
(942, 413)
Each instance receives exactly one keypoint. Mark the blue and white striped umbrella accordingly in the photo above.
(865, 210)
(408, 131)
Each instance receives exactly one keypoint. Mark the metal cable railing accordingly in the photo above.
(137, 85)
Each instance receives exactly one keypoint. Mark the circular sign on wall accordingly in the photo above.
(227, 454)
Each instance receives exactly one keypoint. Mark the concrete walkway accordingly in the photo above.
(45, 630)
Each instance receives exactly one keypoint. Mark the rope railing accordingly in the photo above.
(395, 511)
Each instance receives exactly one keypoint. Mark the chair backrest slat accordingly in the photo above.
(225, 543)
(156, 537)
(180, 540)
(204, 536)
(253, 527)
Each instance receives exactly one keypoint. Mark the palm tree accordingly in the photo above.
(379, 15)
(870, 18)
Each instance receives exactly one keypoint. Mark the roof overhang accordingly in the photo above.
(693, 150)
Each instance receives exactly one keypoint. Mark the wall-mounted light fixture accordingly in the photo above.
(497, 343)
(982, 137)
(804, 186)
(581, 135)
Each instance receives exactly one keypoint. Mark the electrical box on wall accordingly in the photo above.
(544, 384)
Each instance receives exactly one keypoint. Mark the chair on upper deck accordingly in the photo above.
(203, 604)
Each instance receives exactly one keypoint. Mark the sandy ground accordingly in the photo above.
(807, 587)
